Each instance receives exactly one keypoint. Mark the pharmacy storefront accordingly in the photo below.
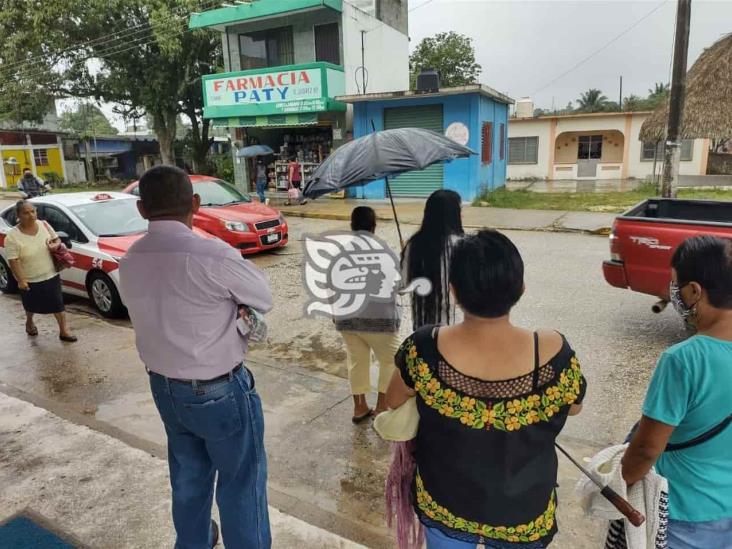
(290, 109)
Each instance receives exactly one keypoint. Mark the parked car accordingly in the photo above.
(232, 216)
(98, 228)
(644, 238)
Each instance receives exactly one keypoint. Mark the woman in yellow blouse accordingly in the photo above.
(28, 249)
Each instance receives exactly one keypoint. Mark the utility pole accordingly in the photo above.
(620, 101)
(672, 152)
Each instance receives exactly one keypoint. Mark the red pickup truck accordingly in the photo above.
(644, 238)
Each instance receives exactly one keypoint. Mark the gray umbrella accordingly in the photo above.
(253, 151)
(380, 155)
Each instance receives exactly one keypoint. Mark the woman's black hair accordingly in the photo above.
(363, 218)
(706, 260)
(427, 255)
(487, 274)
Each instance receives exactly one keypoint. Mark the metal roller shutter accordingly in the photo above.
(424, 182)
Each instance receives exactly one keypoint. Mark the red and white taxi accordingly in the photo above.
(234, 217)
(100, 228)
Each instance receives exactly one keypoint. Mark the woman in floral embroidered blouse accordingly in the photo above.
(492, 398)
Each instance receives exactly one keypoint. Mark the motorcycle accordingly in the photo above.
(42, 190)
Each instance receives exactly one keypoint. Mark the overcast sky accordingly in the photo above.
(523, 46)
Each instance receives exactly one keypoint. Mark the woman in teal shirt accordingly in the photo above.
(691, 395)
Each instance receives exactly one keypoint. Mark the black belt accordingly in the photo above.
(201, 381)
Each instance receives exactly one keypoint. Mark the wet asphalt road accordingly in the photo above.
(614, 332)
(617, 337)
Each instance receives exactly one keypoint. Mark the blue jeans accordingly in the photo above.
(700, 535)
(216, 427)
(261, 185)
(437, 540)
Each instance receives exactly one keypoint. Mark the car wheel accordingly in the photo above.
(8, 285)
(103, 293)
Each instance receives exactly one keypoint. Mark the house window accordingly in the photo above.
(269, 48)
(327, 44)
(650, 148)
(41, 157)
(487, 143)
(523, 150)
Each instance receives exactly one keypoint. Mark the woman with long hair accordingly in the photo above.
(427, 255)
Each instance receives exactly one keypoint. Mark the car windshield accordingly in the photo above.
(219, 193)
(116, 217)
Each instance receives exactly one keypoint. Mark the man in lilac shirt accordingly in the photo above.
(183, 292)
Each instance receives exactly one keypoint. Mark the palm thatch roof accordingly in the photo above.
(708, 104)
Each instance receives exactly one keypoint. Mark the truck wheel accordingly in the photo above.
(8, 285)
(103, 293)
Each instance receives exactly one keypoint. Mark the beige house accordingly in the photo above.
(594, 146)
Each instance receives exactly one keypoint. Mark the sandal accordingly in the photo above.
(362, 418)
(68, 339)
(33, 332)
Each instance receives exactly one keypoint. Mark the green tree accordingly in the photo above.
(145, 60)
(592, 101)
(449, 53)
(656, 95)
(85, 121)
(634, 103)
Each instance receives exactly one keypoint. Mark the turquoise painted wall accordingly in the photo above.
(466, 176)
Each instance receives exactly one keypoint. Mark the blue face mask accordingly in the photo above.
(678, 302)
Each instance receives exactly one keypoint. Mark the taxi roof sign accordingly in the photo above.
(102, 196)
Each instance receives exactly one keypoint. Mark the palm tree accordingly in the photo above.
(659, 88)
(592, 101)
(656, 95)
(634, 103)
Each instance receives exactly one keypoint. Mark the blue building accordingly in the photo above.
(475, 116)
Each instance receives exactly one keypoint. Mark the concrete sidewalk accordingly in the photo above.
(410, 212)
(96, 491)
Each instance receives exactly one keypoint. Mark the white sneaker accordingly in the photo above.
(266, 201)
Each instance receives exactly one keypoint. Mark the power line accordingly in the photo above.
(415, 8)
(603, 48)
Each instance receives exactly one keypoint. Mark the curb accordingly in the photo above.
(601, 231)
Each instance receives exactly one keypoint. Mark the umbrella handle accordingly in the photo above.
(393, 209)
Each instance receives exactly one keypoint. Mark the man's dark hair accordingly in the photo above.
(26, 170)
(706, 260)
(363, 218)
(487, 274)
(166, 191)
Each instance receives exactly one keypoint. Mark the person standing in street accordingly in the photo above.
(492, 399)
(427, 255)
(294, 172)
(28, 249)
(183, 293)
(685, 429)
(375, 329)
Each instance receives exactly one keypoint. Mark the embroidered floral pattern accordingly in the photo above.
(505, 415)
(538, 528)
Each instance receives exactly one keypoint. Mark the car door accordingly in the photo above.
(73, 279)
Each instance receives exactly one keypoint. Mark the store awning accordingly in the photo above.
(272, 121)
(241, 12)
